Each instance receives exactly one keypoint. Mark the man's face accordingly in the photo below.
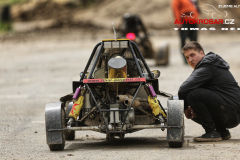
(193, 57)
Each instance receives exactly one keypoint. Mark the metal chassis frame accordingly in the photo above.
(132, 45)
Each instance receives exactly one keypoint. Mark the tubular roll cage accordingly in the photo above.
(132, 45)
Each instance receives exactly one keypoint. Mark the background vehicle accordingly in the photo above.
(132, 28)
(115, 101)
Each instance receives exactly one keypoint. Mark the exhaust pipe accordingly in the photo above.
(122, 98)
(136, 103)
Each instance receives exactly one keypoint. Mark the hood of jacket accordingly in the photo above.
(213, 59)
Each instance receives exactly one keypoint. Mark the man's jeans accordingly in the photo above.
(211, 110)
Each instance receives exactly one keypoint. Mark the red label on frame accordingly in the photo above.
(105, 80)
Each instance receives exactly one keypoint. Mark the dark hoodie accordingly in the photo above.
(212, 73)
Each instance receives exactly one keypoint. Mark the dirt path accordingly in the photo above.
(36, 69)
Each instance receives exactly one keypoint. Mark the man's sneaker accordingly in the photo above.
(209, 137)
(225, 134)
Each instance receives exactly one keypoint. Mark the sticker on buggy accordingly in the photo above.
(105, 80)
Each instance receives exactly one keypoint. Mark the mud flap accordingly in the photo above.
(175, 117)
(53, 120)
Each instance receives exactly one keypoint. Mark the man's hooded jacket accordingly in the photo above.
(212, 73)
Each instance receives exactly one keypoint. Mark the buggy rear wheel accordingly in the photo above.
(177, 144)
(175, 118)
(55, 119)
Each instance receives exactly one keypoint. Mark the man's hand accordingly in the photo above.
(189, 113)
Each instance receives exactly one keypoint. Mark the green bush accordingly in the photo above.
(4, 27)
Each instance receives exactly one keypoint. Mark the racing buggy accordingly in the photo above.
(116, 95)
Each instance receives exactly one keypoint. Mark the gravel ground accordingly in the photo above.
(38, 68)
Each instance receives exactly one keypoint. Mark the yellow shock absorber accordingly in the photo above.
(156, 109)
(77, 106)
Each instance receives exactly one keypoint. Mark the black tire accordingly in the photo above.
(162, 55)
(175, 117)
(56, 147)
(59, 147)
(177, 144)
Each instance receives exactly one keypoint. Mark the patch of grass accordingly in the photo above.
(5, 27)
(11, 2)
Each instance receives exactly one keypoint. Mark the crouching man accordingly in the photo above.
(211, 95)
